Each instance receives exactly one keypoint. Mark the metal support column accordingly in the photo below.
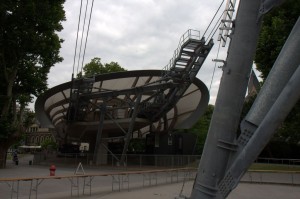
(222, 132)
(278, 112)
(131, 125)
(284, 67)
(96, 158)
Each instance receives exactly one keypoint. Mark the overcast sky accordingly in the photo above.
(138, 34)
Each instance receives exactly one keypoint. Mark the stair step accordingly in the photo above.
(190, 48)
(181, 59)
(180, 64)
(184, 56)
(186, 53)
(189, 41)
(192, 44)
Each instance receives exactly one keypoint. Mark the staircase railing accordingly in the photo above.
(189, 34)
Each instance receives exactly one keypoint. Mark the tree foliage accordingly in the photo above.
(49, 144)
(290, 130)
(29, 47)
(96, 67)
(201, 128)
(275, 30)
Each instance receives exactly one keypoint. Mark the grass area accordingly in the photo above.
(277, 167)
(9, 156)
(263, 166)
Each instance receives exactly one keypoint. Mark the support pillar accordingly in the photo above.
(278, 112)
(277, 97)
(98, 148)
(222, 132)
(130, 129)
(285, 65)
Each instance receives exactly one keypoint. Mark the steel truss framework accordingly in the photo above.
(227, 156)
(125, 102)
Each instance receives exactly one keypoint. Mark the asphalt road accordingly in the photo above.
(102, 186)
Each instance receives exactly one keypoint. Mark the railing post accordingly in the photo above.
(126, 162)
(260, 176)
(172, 161)
(140, 158)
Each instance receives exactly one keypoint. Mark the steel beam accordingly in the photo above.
(96, 158)
(222, 132)
(278, 112)
(285, 65)
(131, 126)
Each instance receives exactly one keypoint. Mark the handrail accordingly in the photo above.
(272, 171)
(118, 178)
(94, 174)
(189, 34)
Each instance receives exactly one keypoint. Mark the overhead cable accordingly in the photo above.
(212, 78)
(215, 28)
(77, 36)
(213, 17)
(87, 35)
(83, 27)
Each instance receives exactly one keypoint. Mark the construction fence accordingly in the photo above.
(131, 160)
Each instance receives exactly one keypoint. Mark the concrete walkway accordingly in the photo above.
(102, 187)
(243, 191)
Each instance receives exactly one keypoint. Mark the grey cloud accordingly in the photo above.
(136, 34)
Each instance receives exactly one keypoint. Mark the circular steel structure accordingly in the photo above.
(111, 89)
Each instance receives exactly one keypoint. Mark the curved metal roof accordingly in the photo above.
(119, 91)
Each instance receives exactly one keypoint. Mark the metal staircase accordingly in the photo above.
(181, 70)
(163, 94)
(78, 108)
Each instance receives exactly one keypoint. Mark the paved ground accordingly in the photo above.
(102, 186)
(243, 191)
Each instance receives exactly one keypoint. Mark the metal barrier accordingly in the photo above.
(131, 160)
(118, 178)
(283, 161)
(272, 177)
(143, 160)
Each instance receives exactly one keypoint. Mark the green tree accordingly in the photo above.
(113, 67)
(49, 144)
(275, 30)
(201, 128)
(29, 47)
(96, 67)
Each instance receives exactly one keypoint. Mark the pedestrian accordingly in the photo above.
(15, 157)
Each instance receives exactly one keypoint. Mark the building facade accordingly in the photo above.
(35, 135)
